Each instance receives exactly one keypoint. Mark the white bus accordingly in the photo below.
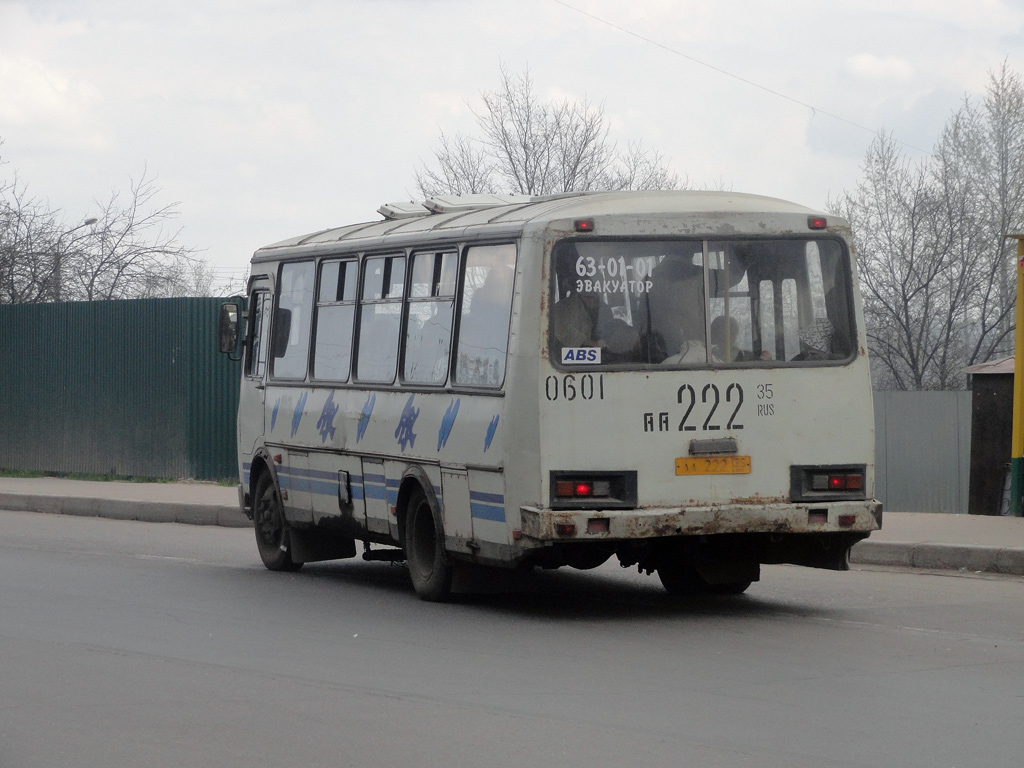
(677, 379)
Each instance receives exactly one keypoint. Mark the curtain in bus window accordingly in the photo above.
(380, 317)
(335, 315)
(429, 326)
(292, 320)
(484, 317)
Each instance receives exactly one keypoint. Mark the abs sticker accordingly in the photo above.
(577, 355)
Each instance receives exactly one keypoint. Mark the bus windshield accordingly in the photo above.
(666, 303)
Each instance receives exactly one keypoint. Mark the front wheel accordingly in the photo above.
(429, 569)
(271, 527)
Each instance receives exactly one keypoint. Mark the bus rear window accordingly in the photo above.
(700, 302)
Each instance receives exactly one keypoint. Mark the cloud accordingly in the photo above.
(887, 69)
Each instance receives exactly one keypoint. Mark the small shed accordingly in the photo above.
(991, 435)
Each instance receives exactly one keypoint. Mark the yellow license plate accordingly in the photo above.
(713, 465)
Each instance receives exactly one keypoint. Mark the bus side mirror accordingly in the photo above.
(228, 329)
(282, 330)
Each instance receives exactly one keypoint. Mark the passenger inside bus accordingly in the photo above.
(724, 334)
(580, 318)
(675, 312)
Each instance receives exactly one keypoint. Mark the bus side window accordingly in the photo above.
(484, 315)
(294, 301)
(380, 315)
(259, 315)
(335, 316)
(428, 332)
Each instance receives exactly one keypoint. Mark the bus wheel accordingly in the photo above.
(424, 550)
(271, 528)
(680, 578)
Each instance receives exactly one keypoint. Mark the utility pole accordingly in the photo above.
(1017, 439)
(58, 265)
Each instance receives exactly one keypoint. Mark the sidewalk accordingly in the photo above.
(907, 539)
(178, 502)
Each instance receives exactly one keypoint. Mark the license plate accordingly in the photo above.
(713, 465)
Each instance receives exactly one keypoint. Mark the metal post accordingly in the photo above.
(1017, 440)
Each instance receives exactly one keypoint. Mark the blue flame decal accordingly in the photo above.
(404, 433)
(364, 416)
(325, 425)
(297, 415)
(447, 423)
(491, 429)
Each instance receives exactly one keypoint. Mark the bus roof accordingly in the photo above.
(448, 214)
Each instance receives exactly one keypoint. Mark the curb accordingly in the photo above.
(955, 557)
(127, 509)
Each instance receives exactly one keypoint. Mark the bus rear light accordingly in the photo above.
(565, 529)
(583, 225)
(817, 222)
(593, 490)
(598, 525)
(847, 521)
(835, 482)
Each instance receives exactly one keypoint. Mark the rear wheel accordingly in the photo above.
(681, 578)
(271, 527)
(424, 550)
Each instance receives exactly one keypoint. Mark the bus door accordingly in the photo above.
(252, 398)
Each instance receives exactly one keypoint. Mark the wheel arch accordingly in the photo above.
(416, 478)
(261, 464)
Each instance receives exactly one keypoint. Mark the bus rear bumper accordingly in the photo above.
(548, 525)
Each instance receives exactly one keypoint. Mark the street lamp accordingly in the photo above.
(58, 257)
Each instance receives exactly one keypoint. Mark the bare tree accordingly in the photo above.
(901, 264)
(133, 252)
(129, 250)
(935, 264)
(532, 147)
(29, 236)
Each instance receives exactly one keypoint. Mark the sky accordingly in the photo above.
(266, 119)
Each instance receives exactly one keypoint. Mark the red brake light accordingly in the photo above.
(584, 489)
(816, 222)
(565, 488)
(583, 225)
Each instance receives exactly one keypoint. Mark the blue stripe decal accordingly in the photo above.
(487, 506)
(487, 512)
(487, 498)
(319, 482)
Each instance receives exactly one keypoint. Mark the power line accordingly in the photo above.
(815, 110)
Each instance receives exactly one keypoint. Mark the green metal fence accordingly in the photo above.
(125, 388)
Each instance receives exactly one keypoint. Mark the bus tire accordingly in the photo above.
(429, 568)
(270, 526)
(682, 579)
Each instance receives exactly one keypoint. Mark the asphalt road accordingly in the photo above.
(142, 644)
